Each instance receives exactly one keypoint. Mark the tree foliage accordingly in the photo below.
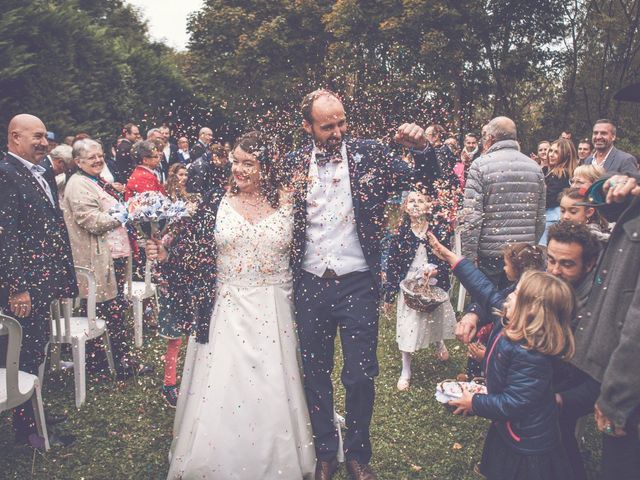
(549, 64)
(83, 65)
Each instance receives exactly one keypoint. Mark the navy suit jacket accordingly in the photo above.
(374, 173)
(617, 161)
(50, 177)
(35, 253)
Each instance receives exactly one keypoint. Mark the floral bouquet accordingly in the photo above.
(148, 212)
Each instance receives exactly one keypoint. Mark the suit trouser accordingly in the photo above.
(35, 336)
(621, 455)
(349, 303)
(568, 418)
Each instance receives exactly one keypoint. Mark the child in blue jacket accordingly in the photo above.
(523, 441)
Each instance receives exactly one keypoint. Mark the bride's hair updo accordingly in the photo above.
(254, 143)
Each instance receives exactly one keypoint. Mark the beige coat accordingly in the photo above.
(85, 213)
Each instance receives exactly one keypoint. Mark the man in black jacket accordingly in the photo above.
(205, 136)
(36, 265)
(124, 164)
(209, 172)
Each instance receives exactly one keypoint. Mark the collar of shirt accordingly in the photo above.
(604, 159)
(315, 151)
(32, 167)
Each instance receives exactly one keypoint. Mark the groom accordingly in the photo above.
(341, 186)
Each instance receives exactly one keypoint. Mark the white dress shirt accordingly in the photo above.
(38, 173)
(332, 237)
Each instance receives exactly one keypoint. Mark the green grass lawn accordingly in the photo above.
(124, 429)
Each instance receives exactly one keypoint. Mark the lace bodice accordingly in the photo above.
(253, 254)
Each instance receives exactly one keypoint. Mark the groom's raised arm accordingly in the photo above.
(425, 169)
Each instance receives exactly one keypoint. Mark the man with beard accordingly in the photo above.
(605, 154)
(340, 187)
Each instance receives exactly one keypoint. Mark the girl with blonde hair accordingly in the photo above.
(531, 333)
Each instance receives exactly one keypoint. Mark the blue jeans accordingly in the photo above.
(552, 216)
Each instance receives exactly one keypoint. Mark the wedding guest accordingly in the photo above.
(124, 164)
(170, 149)
(518, 258)
(584, 150)
(100, 243)
(605, 154)
(504, 200)
(176, 309)
(144, 178)
(410, 258)
(562, 160)
(59, 165)
(36, 265)
(205, 136)
(531, 334)
(607, 345)
(541, 156)
(586, 175)
(183, 150)
(210, 171)
(469, 153)
(573, 210)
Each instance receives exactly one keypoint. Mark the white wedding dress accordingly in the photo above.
(241, 412)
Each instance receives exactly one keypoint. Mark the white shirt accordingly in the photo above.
(604, 159)
(38, 173)
(332, 236)
(184, 153)
(106, 174)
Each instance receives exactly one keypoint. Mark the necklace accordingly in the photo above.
(259, 201)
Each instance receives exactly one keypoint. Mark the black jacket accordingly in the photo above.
(204, 176)
(124, 164)
(35, 253)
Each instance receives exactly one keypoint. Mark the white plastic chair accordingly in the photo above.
(77, 330)
(137, 292)
(16, 387)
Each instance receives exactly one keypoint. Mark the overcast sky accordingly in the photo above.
(168, 19)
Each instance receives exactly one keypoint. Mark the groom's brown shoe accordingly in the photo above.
(325, 470)
(360, 471)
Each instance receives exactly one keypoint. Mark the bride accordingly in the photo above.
(241, 411)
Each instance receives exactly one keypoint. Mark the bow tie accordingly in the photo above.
(322, 158)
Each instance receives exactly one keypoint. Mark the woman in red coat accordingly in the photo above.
(143, 178)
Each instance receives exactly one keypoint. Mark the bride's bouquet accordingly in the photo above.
(148, 212)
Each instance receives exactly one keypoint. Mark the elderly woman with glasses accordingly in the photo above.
(100, 243)
(145, 176)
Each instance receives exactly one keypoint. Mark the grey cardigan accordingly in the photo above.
(504, 201)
